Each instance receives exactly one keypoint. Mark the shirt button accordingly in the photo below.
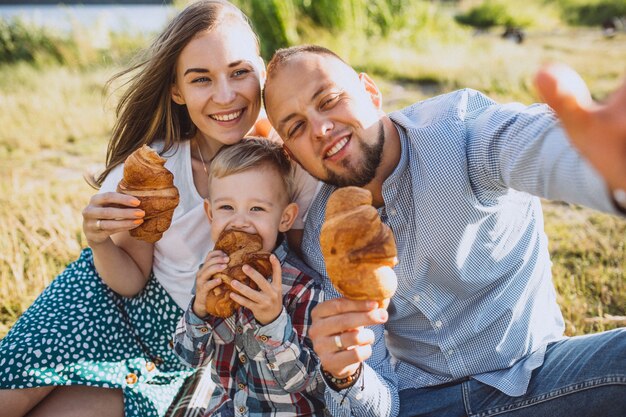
(241, 386)
(150, 366)
(203, 330)
(450, 352)
(271, 365)
(416, 298)
(239, 329)
(242, 359)
(392, 212)
(131, 379)
(438, 324)
(264, 338)
(242, 409)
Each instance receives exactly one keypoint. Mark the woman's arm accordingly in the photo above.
(124, 263)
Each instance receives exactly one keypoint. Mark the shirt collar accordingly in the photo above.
(281, 249)
(389, 185)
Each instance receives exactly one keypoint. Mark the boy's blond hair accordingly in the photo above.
(254, 152)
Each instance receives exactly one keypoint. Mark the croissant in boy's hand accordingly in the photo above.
(359, 250)
(146, 178)
(242, 249)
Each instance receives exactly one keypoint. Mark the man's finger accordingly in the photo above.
(350, 338)
(347, 322)
(341, 363)
(563, 89)
(340, 306)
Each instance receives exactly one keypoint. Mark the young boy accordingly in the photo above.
(262, 360)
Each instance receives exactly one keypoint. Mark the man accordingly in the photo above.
(474, 328)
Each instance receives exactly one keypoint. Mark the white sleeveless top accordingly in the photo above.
(186, 243)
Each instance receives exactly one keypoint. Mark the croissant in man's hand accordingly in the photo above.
(359, 250)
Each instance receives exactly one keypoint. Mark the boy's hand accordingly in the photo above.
(215, 262)
(266, 303)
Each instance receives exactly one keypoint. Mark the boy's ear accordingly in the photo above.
(372, 89)
(176, 95)
(207, 210)
(288, 217)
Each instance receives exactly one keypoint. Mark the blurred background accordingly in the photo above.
(56, 115)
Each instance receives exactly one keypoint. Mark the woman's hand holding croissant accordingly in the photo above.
(110, 213)
(338, 334)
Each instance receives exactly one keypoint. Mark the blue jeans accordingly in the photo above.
(581, 376)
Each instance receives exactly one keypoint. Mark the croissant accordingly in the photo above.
(241, 248)
(359, 250)
(146, 178)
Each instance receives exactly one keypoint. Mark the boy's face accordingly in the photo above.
(253, 201)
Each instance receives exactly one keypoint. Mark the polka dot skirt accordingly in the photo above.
(79, 332)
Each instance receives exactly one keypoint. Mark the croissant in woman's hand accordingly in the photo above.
(242, 248)
(359, 250)
(146, 178)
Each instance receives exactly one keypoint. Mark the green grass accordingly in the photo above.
(55, 124)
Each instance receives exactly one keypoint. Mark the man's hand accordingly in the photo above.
(597, 130)
(338, 334)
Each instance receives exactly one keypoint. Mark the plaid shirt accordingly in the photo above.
(475, 296)
(259, 370)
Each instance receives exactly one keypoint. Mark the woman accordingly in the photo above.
(98, 343)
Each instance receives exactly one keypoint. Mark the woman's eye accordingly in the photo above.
(200, 80)
(240, 72)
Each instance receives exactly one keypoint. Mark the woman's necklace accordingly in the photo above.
(202, 159)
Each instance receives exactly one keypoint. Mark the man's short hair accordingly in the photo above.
(283, 55)
(253, 153)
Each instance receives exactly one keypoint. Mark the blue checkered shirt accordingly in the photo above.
(260, 370)
(475, 296)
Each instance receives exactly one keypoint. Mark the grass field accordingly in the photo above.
(55, 123)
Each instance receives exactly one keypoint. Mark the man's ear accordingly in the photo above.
(207, 210)
(372, 89)
(176, 95)
(288, 217)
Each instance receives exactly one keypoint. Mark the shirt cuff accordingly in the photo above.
(273, 334)
(354, 400)
(196, 326)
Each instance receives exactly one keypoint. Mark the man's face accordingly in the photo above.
(326, 118)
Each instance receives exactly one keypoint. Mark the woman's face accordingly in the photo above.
(218, 78)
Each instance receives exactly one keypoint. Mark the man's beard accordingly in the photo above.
(360, 176)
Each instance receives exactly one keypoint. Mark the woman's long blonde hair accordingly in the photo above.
(146, 111)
